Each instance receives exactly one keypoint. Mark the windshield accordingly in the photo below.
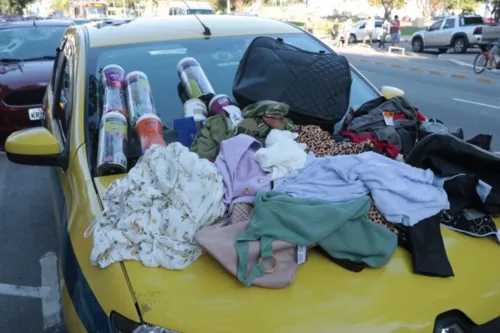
(200, 11)
(93, 12)
(219, 58)
(29, 43)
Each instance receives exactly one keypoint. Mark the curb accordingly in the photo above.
(426, 71)
(464, 64)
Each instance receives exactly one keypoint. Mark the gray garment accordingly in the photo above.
(401, 193)
(373, 122)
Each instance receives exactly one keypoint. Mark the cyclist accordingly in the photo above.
(494, 50)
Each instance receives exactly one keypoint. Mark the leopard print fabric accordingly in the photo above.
(376, 217)
(321, 144)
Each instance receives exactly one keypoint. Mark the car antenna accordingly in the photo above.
(207, 31)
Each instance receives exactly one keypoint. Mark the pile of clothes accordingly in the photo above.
(259, 194)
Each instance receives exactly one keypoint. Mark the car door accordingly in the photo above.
(432, 34)
(359, 30)
(378, 30)
(57, 116)
(443, 36)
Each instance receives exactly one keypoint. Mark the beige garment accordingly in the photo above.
(219, 241)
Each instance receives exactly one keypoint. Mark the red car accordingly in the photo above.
(27, 53)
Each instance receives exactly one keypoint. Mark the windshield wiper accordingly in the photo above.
(27, 59)
(40, 58)
(10, 60)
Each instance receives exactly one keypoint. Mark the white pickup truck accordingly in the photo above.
(487, 34)
(455, 32)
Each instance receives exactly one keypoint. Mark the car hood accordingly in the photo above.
(28, 73)
(324, 297)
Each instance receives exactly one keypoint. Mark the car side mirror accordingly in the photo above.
(35, 146)
(390, 92)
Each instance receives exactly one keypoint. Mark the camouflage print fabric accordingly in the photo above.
(261, 117)
(208, 139)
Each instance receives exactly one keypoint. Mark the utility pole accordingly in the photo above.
(228, 9)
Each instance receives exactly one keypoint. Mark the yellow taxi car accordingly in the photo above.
(128, 297)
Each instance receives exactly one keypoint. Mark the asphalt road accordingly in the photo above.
(452, 94)
(28, 237)
(28, 248)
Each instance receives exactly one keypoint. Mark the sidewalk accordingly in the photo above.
(463, 60)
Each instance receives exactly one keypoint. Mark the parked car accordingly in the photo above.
(27, 51)
(79, 21)
(129, 297)
(358, 31)
(455, 32)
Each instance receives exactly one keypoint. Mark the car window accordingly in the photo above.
(64, 90)
(32, 42)
(449, 24)
(362, 26)
(219, 58)
(436, 26)
(473, 20)
(378, 24)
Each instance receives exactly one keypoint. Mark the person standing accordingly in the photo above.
(369, 28)
(335, 32)
(346, 29)
(395, 31)
(386, 26)
(309, 26)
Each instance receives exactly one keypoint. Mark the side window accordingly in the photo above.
(436, 26)
(362, 26)
(449, 24)
(378, 24)
(63, 95)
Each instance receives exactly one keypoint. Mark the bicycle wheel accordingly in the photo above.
(480, 63)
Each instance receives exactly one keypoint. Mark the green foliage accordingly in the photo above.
(467, 6)
(236, 5)
(495, 4)
(14, 6)
(388, 5)
(60, 5)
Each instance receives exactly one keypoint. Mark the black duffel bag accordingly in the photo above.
(316, 85)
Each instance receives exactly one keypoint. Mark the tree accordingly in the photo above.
(467, 6)
(495, 9)
(426, 7)
(14, 6)
(236, 5)
(61, 5)
(388, 5)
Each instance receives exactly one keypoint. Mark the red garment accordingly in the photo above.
(381, 146)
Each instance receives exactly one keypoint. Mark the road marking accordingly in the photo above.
(415, 69)
(380, 63)
(486, 81)
(459, 76)
(51, 306)
(436, 73)
(49, 292)
(364, 60)
(396, 66)
(476, 103)
(21, 291)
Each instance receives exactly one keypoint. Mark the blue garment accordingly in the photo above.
(401, 193)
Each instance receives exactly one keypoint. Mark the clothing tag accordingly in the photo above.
(301, 254)
(388, 118)
(234, 114)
